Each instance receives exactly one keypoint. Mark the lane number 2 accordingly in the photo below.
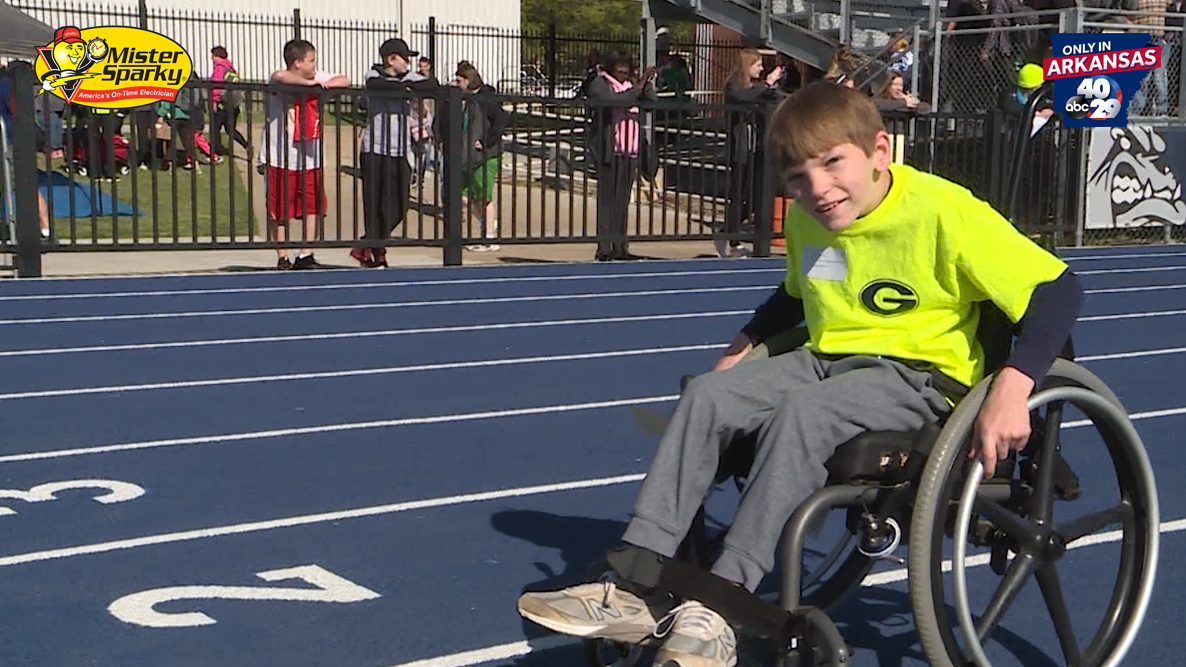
(138, 608)
(117, 492)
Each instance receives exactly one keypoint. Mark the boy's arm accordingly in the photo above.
(778, 313)
(1033, 288)
(287, 78)
(332, 80)
(1046, 326)
(1003, 422)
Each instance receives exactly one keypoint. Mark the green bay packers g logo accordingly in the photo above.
(888, 297)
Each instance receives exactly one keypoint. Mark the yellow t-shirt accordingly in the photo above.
(904, 281)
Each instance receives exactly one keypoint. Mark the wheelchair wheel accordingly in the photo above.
(951, 492)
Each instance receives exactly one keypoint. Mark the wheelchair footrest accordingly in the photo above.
(805, 631)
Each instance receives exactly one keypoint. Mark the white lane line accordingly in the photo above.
(375, 510)
(335, 428)
(551, 642)
(372, 334)
(406, 421)
(1131, 355)
(1148, 255)
(1144, 269)
(449, 329)
(1136, 416)
(381, 306)
(310, 519)
(255, 379)
(1142, 288)
(380, 285)
(455, 365)
(1131, 316)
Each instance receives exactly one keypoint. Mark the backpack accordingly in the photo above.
(231, 99)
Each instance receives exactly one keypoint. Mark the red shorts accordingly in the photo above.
(295, 194)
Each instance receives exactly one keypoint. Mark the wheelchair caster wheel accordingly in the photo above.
(607, 653)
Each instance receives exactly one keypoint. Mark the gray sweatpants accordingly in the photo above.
(802, 407)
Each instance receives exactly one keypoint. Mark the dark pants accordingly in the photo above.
(614, 181)
(743, 193)
(386, 183)
(101, 144)
(182, 130)
(144, 127)
(225, 119)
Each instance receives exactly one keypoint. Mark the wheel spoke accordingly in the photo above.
(1042, 507)
(1088, 524)
(1051, 587)
(1011, 584)
(1013, 526)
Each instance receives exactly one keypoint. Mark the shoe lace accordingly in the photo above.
(609, 581)
(690, 618)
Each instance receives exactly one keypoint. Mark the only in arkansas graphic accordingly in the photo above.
(112, 67)
(1096, 75)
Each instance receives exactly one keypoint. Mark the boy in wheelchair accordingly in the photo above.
(886, 266)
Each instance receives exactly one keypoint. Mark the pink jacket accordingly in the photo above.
(221, 67)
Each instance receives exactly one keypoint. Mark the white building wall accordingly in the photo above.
(346, 33)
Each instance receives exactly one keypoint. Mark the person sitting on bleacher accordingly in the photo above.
(887, 266)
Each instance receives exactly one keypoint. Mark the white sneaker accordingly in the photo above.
(696, 637)
(595, 610)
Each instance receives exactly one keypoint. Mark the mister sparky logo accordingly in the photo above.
(112, 67)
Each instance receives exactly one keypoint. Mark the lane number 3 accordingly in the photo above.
(117, 492)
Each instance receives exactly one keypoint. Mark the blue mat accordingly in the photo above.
(87, 200)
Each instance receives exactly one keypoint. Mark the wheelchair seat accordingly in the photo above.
(876, 457)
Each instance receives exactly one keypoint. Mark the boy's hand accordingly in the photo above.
(1004, 420)
(740, 346)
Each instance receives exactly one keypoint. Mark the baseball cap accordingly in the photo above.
(397, 46)
(68, 35)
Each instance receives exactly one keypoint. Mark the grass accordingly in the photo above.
(169, 204)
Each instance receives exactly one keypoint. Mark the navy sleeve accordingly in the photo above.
(777, 314)
(1046, 326)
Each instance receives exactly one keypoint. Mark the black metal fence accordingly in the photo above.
(139, 180)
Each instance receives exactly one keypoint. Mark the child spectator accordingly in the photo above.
(384, 147)
(482, 123)
(226, 102)
(292, 149)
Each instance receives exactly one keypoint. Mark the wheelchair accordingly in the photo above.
(919, 489)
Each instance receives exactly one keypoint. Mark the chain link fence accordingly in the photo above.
(1081, 186)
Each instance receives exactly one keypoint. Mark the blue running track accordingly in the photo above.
(364, 469)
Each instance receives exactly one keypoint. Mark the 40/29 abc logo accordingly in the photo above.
(1097, 98)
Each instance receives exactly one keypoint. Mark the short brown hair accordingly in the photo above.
(817, 118)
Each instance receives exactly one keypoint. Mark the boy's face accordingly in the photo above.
(838, 186)
(307, 66)
(396, 63)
